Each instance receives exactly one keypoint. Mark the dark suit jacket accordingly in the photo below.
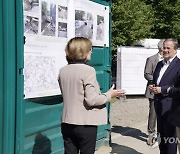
(149, 68)
(174, 92)
(162, 101)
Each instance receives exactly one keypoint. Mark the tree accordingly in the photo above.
(167, 18)
(131, 20)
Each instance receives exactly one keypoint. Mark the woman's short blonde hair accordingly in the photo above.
(77, 49)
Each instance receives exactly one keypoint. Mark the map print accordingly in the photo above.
(40, 74)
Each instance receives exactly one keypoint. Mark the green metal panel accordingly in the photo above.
(42, 116)
(103, 2)
(100, 61)
(10, 46)
(19, 132)
(1, 80)
(25, 124)
(8, 76)
(45, 126)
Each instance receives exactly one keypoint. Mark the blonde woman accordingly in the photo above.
(84, 106)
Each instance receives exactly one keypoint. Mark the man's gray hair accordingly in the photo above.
(175, 41)
(160, 44)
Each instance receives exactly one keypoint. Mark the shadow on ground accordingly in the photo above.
(128, 131)
(120, 149)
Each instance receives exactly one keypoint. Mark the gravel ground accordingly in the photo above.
(128, 119)
(129, 111)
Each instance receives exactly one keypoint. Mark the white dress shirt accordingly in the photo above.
(163, 69)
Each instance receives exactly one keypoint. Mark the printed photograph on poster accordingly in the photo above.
(100, 28)
(48, 18)
(31, 6)
(31, 16)
(62, 29)
(62, 21)
(62, 12)
(83, 24)
(31, 25)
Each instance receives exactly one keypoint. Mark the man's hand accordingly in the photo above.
(156, 90)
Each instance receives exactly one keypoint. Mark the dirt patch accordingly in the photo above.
(129, 112)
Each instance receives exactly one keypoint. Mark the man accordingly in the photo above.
(174, 117)
(150, 66)
(164, 76)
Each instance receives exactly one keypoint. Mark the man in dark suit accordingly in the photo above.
(150, 66)
(164, 76)
(174, 117)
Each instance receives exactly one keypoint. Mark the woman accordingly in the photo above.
(84, 107)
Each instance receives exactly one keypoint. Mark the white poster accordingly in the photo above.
(130, 68)
(92, 21)
(48, 25)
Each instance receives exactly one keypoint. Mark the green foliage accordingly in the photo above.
(131, 20)
(139, 19)
(167, 15)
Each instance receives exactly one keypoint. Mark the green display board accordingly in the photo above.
(29, 119)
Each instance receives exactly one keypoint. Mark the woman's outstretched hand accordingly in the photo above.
(116, 93)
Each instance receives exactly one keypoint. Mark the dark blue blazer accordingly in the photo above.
(174, 92)
(162, 102)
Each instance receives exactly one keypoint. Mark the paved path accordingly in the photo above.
(126, 140)
(129, 128)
